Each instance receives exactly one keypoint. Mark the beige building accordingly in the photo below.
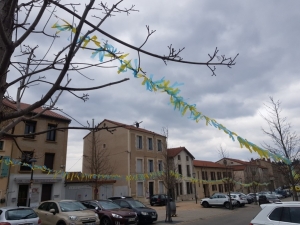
(183, 160)
(213, 173)
(47, 149)
(246, 173)
(134, 153)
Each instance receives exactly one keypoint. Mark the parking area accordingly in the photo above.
(188, 211)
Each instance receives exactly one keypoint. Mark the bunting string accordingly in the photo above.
(105, 50)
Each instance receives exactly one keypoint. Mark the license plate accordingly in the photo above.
(131, 219)
(153, 216)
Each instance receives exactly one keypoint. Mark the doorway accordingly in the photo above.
(22, 195)
(46, 192)
(151, 188)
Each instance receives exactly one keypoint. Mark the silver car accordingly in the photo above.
(19, 215)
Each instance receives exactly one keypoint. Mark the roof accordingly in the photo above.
(238, 161)
(128, 127)
(209, 164)
(172, 152)
(48, 113)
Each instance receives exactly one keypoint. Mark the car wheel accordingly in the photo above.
(238, 204)
(242, 205)
(105, 221)
(61, 223)
(151, 204)
(205, 204)
(227, 205)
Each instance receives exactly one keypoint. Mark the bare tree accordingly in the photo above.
(97, 160)
(24, 65)
(284, 140)
(169, 177)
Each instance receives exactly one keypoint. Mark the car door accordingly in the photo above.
(43, 213)
(52, 218)
(214, 200)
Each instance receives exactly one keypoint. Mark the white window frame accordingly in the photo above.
(150, 143)
(142, 165)
(160, 162)
(149, 168)
(139, 189)
(159, 145)
(139, 142)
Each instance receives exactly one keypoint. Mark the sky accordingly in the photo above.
(265, 34)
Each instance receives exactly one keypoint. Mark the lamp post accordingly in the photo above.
(31, 180)
(194, 176)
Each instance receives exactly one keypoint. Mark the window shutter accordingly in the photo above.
(4, 166)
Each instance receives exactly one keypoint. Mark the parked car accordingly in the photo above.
(241, 200)
(159, 199)
(218, 199)
(279, 196)
(283, 193)
(66, 212)
(249, 198)
(144, 213)
(111, 213)
(267, 198)
(287, 213)
(118, 197)
(18, 215)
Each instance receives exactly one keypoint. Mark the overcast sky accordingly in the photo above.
(265, 34)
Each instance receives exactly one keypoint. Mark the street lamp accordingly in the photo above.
(31, 180)
(194, 176)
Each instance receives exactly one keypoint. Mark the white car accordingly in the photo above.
(240, 199)
(218, 199)
(14, 215)
(279, 213)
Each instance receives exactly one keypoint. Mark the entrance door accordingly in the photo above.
(46, 192)
(22, 195)
(151, 189)
(206, 190)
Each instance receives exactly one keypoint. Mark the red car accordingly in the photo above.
(110, 213)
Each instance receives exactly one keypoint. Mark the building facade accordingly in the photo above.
(29, 186)
(209, 176)
(135, 154)
(183, 161)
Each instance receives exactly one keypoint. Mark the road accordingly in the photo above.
(239, 216)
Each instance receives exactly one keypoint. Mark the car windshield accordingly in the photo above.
(71, 206)
(19, 214)
(136, 204)
(109, 205)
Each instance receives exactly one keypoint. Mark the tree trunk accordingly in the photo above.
(7, 11)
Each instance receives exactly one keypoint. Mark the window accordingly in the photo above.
(213, 175)
(140, 189)
(219, 175)
(49, 160)
(4, 166)
(160, 187)
(139, 142)
(214, 187)
(179, 169)
(189, 188)
(159, 145)
(26, 156)
(226, 187)
(180, 188)
(150, 144)
(276, 214)
(187, 158)
(295, 214)
(224, 175)
(52, 133)
(1, 145)
(30, 128)
(188, 172)
(139, 166)
(220, 187)
(150, 165)
(160, 165)
(204, 175)
(178, 157)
